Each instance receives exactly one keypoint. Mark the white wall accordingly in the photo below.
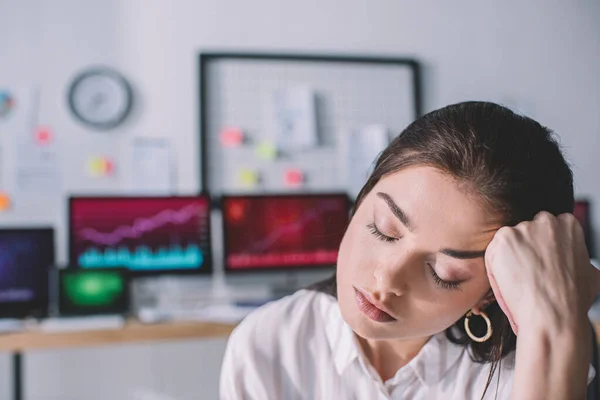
(542, 56)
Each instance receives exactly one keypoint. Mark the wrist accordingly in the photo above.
(554, 323)
(558, 356)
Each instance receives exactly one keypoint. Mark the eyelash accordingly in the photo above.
(388, 239)
(439, 281)
(377, 233)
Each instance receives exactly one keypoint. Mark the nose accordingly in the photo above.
(391, 278)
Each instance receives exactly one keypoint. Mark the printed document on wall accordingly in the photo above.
(293, 118)
(34, 166)
(151, 167)
(363, 145)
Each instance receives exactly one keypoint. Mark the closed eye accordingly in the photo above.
(379, 235)
(451, 285)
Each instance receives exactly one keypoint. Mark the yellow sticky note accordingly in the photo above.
(100, 166)
(4, 202)
(94, 166)
(266, 151)
(248, 177)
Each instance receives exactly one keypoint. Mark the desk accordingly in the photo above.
(133, 332)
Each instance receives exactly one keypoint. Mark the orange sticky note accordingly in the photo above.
(4, 202)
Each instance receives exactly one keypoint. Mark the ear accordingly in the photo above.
(485, 301)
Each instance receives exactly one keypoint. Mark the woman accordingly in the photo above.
(461, 241)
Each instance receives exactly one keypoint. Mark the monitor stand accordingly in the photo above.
(289, 286)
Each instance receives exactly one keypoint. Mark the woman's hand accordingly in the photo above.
(541, 274)
(542, 278)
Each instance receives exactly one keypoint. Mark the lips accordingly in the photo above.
(370, 310)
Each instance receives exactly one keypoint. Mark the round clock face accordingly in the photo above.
(100, 98)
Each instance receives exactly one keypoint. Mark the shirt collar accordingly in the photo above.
(430, 364)
(435, 359)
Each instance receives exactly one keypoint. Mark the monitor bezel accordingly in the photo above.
(126, 302)
(289, 268)
(40, 307)
(206, 270)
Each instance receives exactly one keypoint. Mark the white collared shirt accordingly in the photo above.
(299, 347)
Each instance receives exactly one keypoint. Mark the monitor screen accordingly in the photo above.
(26, 256)
(283, 231)
(88, 292)
(142, 234)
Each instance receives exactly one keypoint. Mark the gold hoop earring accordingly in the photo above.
(487, 335)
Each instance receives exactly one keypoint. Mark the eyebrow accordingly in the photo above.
(401, 215)
(463, 254)
(397, 211)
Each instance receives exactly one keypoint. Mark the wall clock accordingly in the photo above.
(100, 98)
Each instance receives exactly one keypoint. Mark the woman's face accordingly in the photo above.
(411, 261)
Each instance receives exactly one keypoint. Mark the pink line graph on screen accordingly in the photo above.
(309, 216)
(141, 226)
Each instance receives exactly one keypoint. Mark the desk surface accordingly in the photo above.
(133, 332)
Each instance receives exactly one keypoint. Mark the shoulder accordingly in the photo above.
(287, 317)
(271, 339)
(280, 323)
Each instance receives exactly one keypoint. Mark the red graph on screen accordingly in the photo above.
(141, 226)
(279, 232)
(282, 231)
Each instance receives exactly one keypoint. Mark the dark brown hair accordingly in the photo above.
(509, 162)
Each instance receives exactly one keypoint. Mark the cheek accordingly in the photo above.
(354, 255)
(451, 305)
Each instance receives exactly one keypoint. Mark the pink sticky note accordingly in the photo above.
(43, 135)
(232, 137)
(293, 177)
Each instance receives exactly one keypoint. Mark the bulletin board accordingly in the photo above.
(273, 123)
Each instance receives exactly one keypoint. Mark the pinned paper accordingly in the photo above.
(43, 135)
(33, 170)
(363, 145)
(266, 151)
(151, 167)
(100, 166)
(293, 177)
(232, 137)
(4, 202)
(293, 118)
(248, 177)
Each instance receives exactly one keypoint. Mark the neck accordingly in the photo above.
(388, 356)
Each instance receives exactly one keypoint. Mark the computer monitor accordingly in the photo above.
(93, 292)
(26, 256)
(147, 235)
(274, 232)
(582, 214)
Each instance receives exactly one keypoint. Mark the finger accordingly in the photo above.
(595, 283)
(543, 215)
(501, 301)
